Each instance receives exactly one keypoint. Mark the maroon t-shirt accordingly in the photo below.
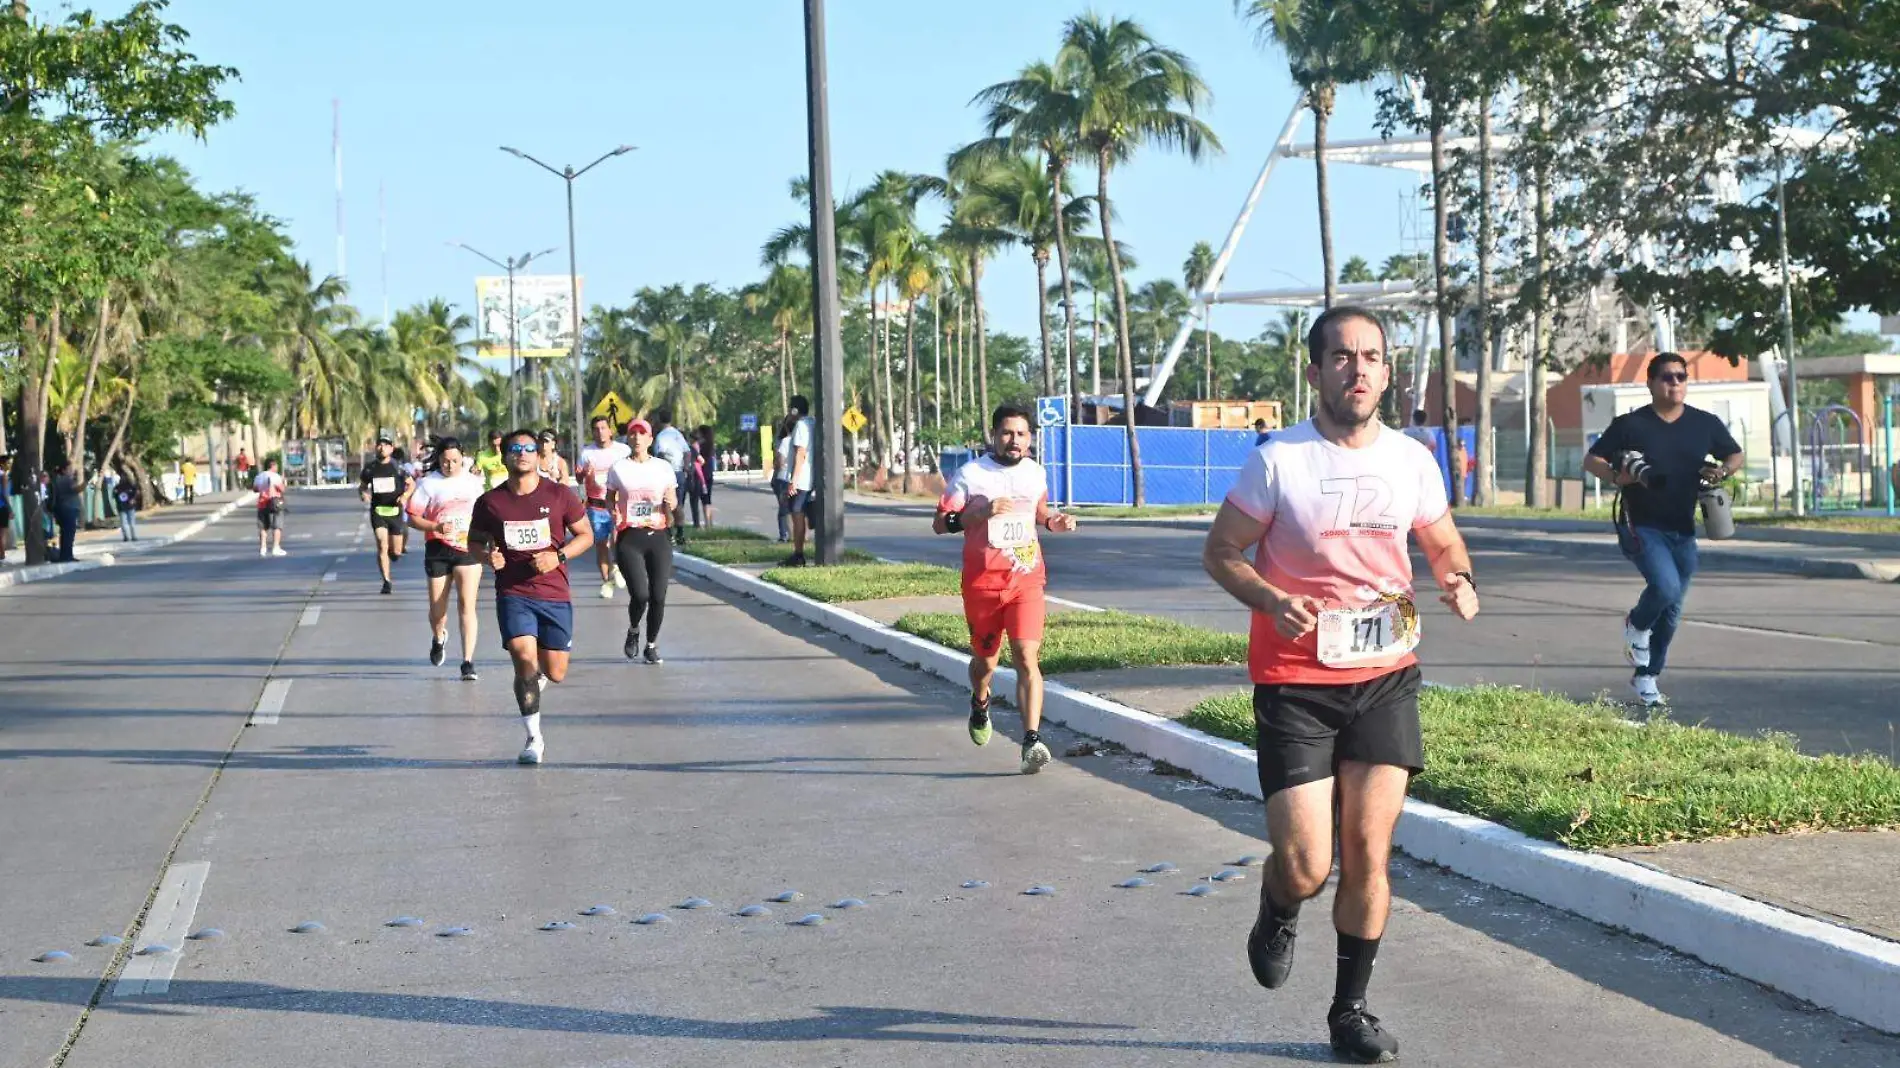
(524, 525)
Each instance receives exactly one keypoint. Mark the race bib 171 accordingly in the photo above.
(1350, 637)
(528, 536)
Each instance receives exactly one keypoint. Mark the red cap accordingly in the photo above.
(640, 426)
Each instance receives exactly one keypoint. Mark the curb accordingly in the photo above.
(20, 576)
(1843, 971)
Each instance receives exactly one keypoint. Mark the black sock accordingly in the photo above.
(1031, 737)
(1355, 969)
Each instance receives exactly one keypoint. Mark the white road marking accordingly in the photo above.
(1074, 604)
(1767, 633)
(301, 537)
(311, 615)
(219, 559)
(167, 924)
(329, 576)
(271, 702)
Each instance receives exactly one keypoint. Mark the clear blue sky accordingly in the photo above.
(713, 95)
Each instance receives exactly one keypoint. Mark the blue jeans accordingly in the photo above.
(779, 486)
(68, 534)
(129, 524)
(1668, 561)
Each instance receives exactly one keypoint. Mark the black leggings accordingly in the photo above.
(646, 562)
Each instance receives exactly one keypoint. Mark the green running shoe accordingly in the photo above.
(979, 722)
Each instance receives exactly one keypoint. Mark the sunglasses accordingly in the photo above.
(517, 449)
(1674, 378)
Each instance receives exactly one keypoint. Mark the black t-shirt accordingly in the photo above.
(1678, 451)
(385, 483)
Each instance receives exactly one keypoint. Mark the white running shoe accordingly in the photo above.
(620, 580)
(1635, 645)
(1034, 757)
(606, 591)
(261, 551)
(531, 753)
(278, 552)
(1645, 688)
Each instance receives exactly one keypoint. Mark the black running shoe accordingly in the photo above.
(386, 586)
(435, 651)
(653, 654)
(1270, 944)
(468, 671)
(1358, 1037)
(631, 647)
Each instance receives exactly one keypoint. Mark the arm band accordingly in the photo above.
(953, 522)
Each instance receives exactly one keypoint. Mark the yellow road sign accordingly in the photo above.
(616, 410)
(854, 420)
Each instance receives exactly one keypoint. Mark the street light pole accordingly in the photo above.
(510, 265)
(1787, 332)
(828, 369)
(567, 175)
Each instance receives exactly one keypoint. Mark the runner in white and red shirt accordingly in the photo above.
(998, 502)
(441, 506)
(270, 487)
(596, 460)
(1326, 509)
(643, 495)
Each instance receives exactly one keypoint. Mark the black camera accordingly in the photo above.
(1639, 470)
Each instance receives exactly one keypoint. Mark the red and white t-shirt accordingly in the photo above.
(1003, 551)
(641, 489)
(448, 500)
(270, 489)
(596, 461)
(1338, 521)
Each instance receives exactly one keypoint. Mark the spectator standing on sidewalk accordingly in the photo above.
(62, 500)
(671, 445)
(782, 474)
(188, 474)
(6, 506)
(125, 493)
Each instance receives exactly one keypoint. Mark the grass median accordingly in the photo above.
(1098, 641)
(759, 551)
(866, 581)
(1844, 524)
(1581, 775)
(725, 534)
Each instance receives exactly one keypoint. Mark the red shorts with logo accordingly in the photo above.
(1017, 611)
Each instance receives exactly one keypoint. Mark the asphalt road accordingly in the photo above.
(1816, 658)
(762, 756)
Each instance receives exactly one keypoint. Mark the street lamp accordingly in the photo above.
(514, 344)
(1787, 330)
(828, 367)
(568, 174)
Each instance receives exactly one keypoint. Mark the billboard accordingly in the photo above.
(542, 314)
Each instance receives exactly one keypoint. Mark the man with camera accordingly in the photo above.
(1661, 457)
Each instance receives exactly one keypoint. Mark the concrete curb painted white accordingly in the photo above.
(106, 556)
(1844, 971)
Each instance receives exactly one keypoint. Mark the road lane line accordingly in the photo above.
(329, 576)
(271, 702)
(311, 615)
(1765, 632)
(167, 924)
(1073, 604)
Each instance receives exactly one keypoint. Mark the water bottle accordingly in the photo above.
(1718, 515)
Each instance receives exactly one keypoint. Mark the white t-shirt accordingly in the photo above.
(641, 488)
(801, 439)
(670, 445)
(1004, 550)
(448, 500)
(596, 461)
(1422, 435)
(1338, 521)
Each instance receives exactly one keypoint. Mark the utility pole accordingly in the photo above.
(828, 365)
(1787, 331)
(510, 265)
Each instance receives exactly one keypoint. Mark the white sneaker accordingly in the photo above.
(278, 552)
(531, 753)
(606, 591)
(261, 551)
(620, 580)
(1635, 645)
(1645, 688)
(1034, 757)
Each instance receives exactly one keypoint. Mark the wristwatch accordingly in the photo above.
(561, 555)
(1469, 581)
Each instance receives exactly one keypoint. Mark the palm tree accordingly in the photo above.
(916, 275)
(1356, 270)
(309, 315)
(1017, 190)
(1037, 111)
(1197, 269)
(784, 298)
(1091, 264)
(1127, 89)
(972, 234)
(1327, 45)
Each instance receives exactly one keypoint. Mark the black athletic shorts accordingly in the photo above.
(395, 524)
(1305, 731)
(271, 518)
(439, 559)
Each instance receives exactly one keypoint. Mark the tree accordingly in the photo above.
(1356, 270)
(1016, 191)
(1127, 90)
(1197, 269)
(1327, 44)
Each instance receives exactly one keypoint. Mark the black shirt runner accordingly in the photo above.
(1677, 451)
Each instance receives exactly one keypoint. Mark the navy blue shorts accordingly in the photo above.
(549, 623)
